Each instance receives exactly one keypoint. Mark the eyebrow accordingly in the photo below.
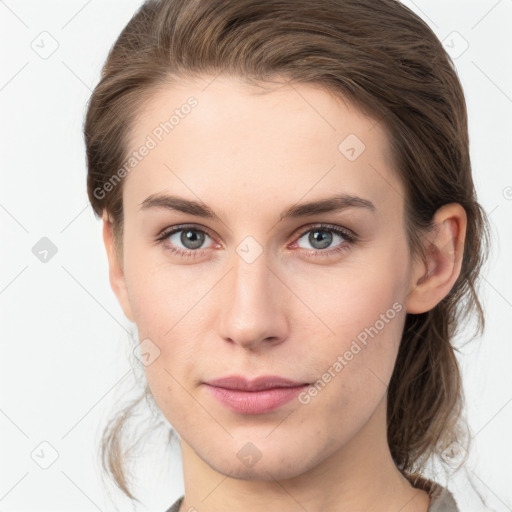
(332, 204)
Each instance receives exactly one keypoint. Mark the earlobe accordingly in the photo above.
(116, 272)
(444, 248)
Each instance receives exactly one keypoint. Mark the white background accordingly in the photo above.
(64, 342)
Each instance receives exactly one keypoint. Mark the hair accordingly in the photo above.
(384, 59)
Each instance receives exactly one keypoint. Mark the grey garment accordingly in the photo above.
(441, 500)
(176, 506)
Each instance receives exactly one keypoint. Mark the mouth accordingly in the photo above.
(257, 396)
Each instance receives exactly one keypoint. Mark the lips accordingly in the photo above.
(257, 396)
(257, 384)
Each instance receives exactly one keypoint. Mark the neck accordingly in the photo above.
(360, 475)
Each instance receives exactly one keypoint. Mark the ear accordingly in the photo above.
(444, 248)
(116, 273)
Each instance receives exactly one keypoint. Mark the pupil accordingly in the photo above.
(191, 239)
(324, 238)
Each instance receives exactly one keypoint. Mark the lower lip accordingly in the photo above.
(255, 402)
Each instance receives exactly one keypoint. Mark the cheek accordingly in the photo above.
(160, 293)
(167, 310)
(169, 304)
(366, 321)
(355, 365)
(365, 313)
(370, 306)
(168, 313)
(360, 300)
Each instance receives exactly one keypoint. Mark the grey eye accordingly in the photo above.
(320, 238)
(189, 238)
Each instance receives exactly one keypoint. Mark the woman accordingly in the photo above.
(291, 223)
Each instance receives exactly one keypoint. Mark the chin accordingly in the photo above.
(259, 472)
(275, 465)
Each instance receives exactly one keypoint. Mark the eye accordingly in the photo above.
(184, 240)
(191, 238)
(326, 239)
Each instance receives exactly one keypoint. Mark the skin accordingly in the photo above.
(249, 156)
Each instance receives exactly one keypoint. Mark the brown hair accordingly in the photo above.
(382, 57)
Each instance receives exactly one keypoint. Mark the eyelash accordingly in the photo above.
(349, 239)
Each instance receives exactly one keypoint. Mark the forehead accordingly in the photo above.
(220, 139)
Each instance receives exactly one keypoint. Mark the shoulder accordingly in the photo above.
(441, 499)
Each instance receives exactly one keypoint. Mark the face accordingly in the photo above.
(296, 265)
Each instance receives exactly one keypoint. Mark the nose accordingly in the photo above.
(253, 306)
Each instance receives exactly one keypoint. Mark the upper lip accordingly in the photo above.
(256, 384)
